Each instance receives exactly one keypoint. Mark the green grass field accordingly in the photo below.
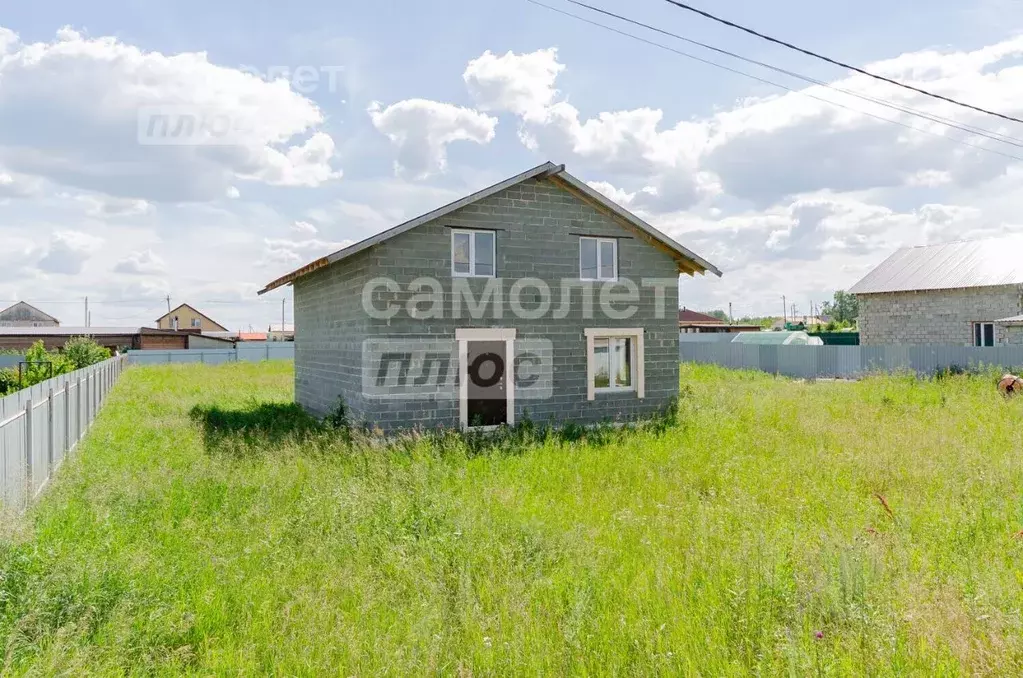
(205, 527)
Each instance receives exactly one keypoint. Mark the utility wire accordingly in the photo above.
(766, 81)
(933, 117)
(789, 45)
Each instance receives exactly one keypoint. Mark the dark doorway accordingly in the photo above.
(487, 390)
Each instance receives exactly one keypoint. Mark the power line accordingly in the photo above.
(932, 117)
(763, 80)
(842, 64)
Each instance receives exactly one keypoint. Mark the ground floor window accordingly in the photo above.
(983, 334)
(614, 361)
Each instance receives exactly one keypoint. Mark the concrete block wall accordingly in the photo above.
(537, 226)
(936, 316)
(1012, 334)
(329, 329)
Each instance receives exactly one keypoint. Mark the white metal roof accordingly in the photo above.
(1014, 320)
(954, 265)
(547, 169)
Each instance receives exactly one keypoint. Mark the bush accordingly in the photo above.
(8, 381)
(83, 351)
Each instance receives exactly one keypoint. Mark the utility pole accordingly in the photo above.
(168, 303)
(282, 318)
(87, 311)
(784, 309)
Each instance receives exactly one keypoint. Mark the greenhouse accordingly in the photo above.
(777, 339)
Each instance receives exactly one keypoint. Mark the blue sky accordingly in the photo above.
(787, 195)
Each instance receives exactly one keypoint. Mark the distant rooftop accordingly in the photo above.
(954, 265)
(67, 331)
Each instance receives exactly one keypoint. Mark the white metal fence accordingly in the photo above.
(245, 352)
(41, 425)
(810, 362)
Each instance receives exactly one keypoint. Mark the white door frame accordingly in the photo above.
(466, 334)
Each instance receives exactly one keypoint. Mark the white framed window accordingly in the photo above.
(983, 334)
(598, 258)
(614, 361)
(196, 322)
(473, 253)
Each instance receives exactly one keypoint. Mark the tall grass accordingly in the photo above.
(206, 527)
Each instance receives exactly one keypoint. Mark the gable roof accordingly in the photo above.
(954, 265)
(31, 308)
(689, 262)
(194, 310)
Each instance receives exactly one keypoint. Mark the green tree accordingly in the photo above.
(719, 314)
(41, 364)
(84, 351)
(844, 308)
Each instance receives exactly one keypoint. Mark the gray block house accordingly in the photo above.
(536, 297)
(966, 293)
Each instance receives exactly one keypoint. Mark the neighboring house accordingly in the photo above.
(496, 307)
(961, 293)
(692, 322)
(252, 336)
(279, 332)
(114, 338)
(184, 317)
(26, 315)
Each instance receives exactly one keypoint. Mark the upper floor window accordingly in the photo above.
(598, 258)
(196, 322)
(473, 253)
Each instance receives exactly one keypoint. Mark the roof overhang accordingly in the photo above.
(688, 261)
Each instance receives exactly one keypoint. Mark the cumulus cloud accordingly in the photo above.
(771, 147)
(144, 262)
(422, 129)
(102, 115)
(520, 83)
(68, 251)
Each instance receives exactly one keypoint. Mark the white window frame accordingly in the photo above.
(472, 252)
(196, 322)
(981, 324)
(599, 241)
(638, 360)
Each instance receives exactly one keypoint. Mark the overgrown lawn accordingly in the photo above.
(206, 526)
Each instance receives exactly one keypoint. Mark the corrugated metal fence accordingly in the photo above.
(41, 425)
(810, 362)
(243, 351)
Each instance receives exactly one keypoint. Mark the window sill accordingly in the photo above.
(470, 275)
(608, 389)
(598, 279)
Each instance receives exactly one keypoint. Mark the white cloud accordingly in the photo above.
(520, 83)
(144, 262)
(304, 228)
(422, 129)
(100, 206)
(281, 253)
(78, 112)
(768, 148)
(68, 251)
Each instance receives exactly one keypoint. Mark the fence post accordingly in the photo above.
(49, 433)
(28, 451)
(67, 417)
(78, 409)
